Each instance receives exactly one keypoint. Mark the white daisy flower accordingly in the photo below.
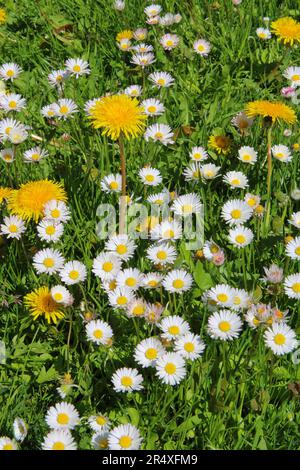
(161, 79)
(236, 212)
(133, 90)
(293, 74)
(99, 332)
(106, 266)
(236, 179)
(7, 155)
(50, 230)
(153, 107)
(241, 299)
(57, 211)
(10, 71)
(167, 231)
(12, 102)
(198, 154)
(173, 327)
(282, 153)
(35, 154)
(57, 77)
(148, 351)
(159, 133)
(187, 204)
(121, 245)
(177, 280)
(159, 199)
(242, 122)
(293, 249)
(61, 295)
(153, 10)
(143, 59)
(152, 280)
(89, 105)
(263, 33)
(209, 171)
(169, 41)
(62, 416)
(130, 277)
(136, 308)
(8, 125)
(295, 219)
(13, 227)
(100, 440)
(49, 111)
(7, 444)
(154, 313)
(127, 380)
(120, 297)
(222, 295)
(281, 339)
(240, 236)
(192, 172)
(142, 48)
(73, 272)
(167, 20)
(253, 200)
(292, 286)
(124, 44)
(48, 261)
(99, 423)
(111, 183)
(210, 249)
(17, 136)
(162, 254)
(124, 437)
(59, 439)
(247, 155)
(189, 346)
(65, 108)
(170, 368)
(150, 176)
(202, 47)
(224, 325)
(77, 67)
(140, 34)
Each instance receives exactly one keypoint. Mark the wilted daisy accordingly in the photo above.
(160, 133)
(240, 236)
(240, 300)
(99, 332)
(153, 313)
(222, 295)
(133, 90)
(169, 41)
(168, 19)
(35, 154)
(57, 77)
(198, 154)
(121, 245)
(140, 34)
(189, 346)
(12, 102)
(17, 136)
(6, 443)
(224, 325)
(263, 33)
(10, 71)
(150, 176)
(252, 200)
(167, 231)
(292, 286)
(73, 272)
(242, 122)
(209, 171)
(49, 111)
(177, 281)
(59, 439)
(280, 338)
(153, 10)
(50, 230)
(100, 440)
(124, 44)
(293, 74)
(99, 423)
(13, 227)
(106, 266)
(136, 308)
(247, 155)
(293, 249)
(20, 429)
(153, 107)
(210, 249)
(62, 416)
(236, 212)
(192, 172)
(143, 59)
(65, 108)
(77, 67)
(282, 153)
(119, 5)
(130, 277)
(236, 179)
(48, 261)
(120, 297)
(161, 254)
(273, 274)
(152, 280)
(7, 155)
(61, 295)
(148, 351)
(124, 437)
(161, 79)
(202, 47)
(56, 210)
(170, 368)
(295, 219)
(127, 380)
(187, 204)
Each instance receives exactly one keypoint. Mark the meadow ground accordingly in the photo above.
(239, 393)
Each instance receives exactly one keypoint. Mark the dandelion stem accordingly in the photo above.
(123, 198)
(269, 179)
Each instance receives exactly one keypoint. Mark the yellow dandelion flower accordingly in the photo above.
(4, 193)
(126, 34)
(118, 114)
(220, 143)
(2, 16)
(40, 302)
(28, 201)
(276, 111)
(287, 30)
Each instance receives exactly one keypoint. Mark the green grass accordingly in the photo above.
(237, 396)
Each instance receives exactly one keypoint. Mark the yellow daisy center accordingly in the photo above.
(189, 347)
(151, 109)
(161, 255)
(57, 296)
(58, 445)
(187, 208)
(279, 339)
(35, 156)
(236, 214)
(174, 330)
(138, 310)
(161, 81)
(13, 228)
(76, 68)
(12, 104)
(297, 250)
(101, 420)
(125, 442)
(295, 77)
(107, 266)
(50, 230)
(240, 239)
(149, 178)
(235, 181)
(152, 283)
(121, 249)
(98, 334)
(251, 202)
(126, 381)
(169, 43)
(55, 213)
(122, 300)
(178, 284)
(170, 368)
(246, 157)
(151, 353)
(64, 109)
(8, 446)
(48, 262)
(224, 326)
(62, 418)
(296, 287)
(222, 297)
(74, 274)
(10, 73)
(130, 282)
(169, 233)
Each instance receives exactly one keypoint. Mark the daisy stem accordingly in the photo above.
(123, 197)
(269, 178)
(244, 267)
(68, 341)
